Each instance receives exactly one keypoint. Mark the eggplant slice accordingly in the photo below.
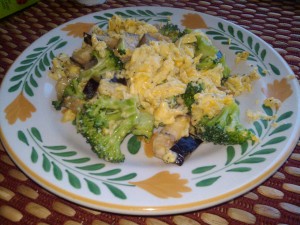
(90, 88)
(184, 147)
(146, 39)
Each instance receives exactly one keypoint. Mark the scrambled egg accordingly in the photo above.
(68, 115)
(115, 90)
(238, 84)
(161, 70)
(272, 103)
(154, 74)
(241, 56)
(257, 115)
(118, 25)
(63, 67)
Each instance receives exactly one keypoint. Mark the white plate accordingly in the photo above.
(57, 158)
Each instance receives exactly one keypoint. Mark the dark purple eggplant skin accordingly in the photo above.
(119, 80)
(87, 38)
(183, 147)
(90, 88)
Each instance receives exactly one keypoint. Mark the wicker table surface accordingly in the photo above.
(276, 201)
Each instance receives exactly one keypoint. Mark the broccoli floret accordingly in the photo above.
(226, 71)
(105, 122)
(57, 104)
(72, 89)
(211, 57)
(106, 62)
(225, 128)
(210, 62)
(204, 47)
(172, 31)
(190, 91)
(144, 126)
(206, 63)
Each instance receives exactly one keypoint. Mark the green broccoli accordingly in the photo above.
(190, 91)
(105, 122)
(172, 31)
(106, 62)
(144, 126)
(72, 89)
(205, 47)
(211, 56)
(225, 128)
(226, 71)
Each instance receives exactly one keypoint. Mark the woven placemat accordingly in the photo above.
(276, 201)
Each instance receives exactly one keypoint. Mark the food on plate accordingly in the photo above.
(170, 86)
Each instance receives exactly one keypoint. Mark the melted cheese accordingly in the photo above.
(272, 102)
(240, 84)
(118, 25)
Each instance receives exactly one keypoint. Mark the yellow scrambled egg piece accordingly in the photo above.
(154, 74)
(63, 67)
(209, 104)
(68, 116)
(115, 90)
(237, 84)
(118, 25)
(241, 56)
(257, 115)
(272, 102)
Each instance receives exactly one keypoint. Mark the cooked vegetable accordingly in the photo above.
(168, 136)
(144, 125)
(90, 88)
(190, 91)
(146, 39)
(106, 62)
(226, 71)
(128, 42)
(184, 147)
(205, 47)
(84, 57)
(173, 31)
(225, 128)
(210, 56)
(73, 92)
(105, 122)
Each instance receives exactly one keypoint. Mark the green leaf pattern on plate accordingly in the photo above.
(31, 68)
(134, 145)
(238, 42)
(94, 175)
